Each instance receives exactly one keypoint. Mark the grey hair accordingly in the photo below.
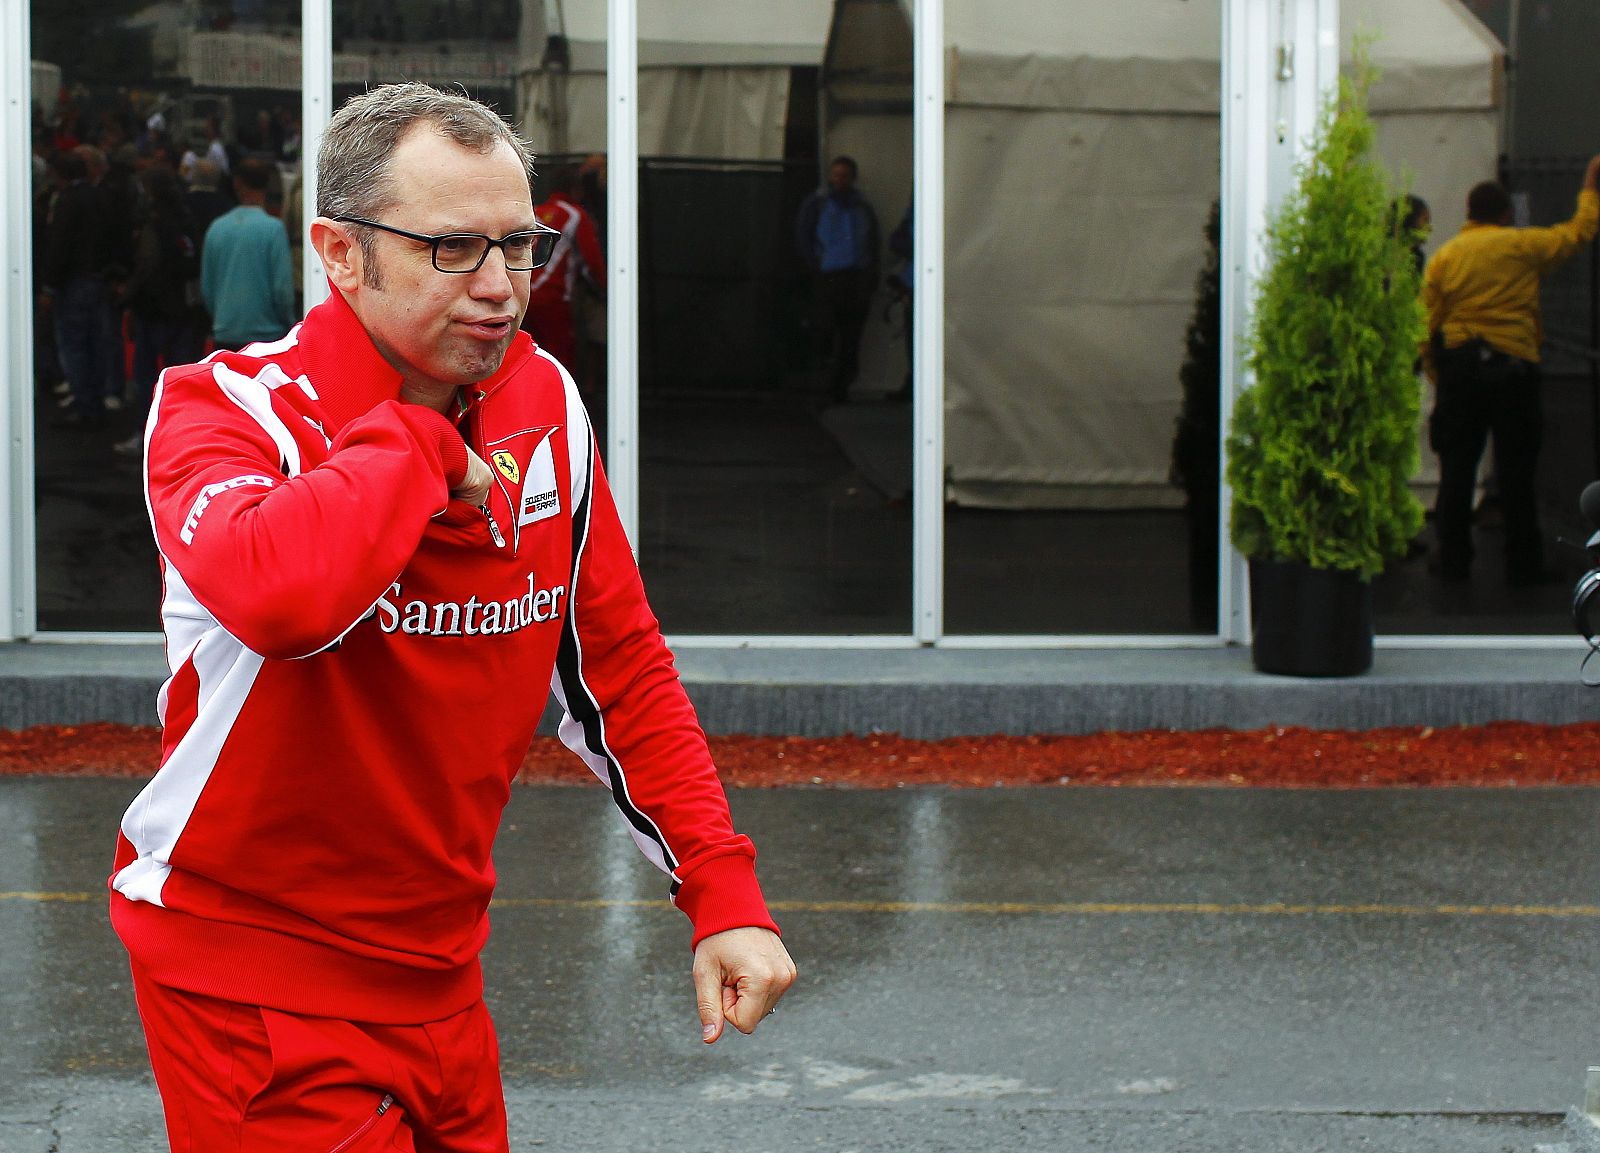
(353, 177)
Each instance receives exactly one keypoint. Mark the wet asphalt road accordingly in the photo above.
(1076, 969)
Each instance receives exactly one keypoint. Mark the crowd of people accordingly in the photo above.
(151, 251)
(123, 211)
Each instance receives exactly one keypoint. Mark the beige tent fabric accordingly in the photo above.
(1061, 354)
(727, 112)
(713, 76)
(1163, 55)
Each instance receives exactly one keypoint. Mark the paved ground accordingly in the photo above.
(1064, 970)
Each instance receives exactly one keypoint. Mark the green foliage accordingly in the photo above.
(1323, 445)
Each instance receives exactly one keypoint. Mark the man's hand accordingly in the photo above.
(739, 977)
(474, 487)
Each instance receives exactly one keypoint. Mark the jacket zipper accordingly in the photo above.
(494, 529)
(366, 1126)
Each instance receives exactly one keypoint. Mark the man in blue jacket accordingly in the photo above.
(245, 276)
(837, 235)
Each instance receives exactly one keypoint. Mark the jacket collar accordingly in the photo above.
(350, 375)
(343, 365)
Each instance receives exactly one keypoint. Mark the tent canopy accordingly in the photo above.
(700, 33)
(713, 75)
(1165, 55)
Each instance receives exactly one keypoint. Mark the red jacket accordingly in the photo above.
(577, 253)
(358, 664)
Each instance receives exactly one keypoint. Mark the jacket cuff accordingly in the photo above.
(723, 894)
(452, 449)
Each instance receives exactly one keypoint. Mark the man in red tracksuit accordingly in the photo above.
(381, 538)
(550, 317)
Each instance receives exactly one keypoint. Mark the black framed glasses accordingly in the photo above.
(466, 251)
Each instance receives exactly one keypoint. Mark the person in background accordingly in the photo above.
(1481, 291)
(590, 318)
(47, 373)
(577, 257)
(166, 259)
(245, 278)
(202, 195)
(294, 225)
(75, 293)
(901, 284)
(1416, 226)
(205, 202)
(836, 234)
(124, 208)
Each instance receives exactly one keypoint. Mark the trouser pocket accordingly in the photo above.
(375, 1131)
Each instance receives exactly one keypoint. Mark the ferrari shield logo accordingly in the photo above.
(541, 497)
(507, 464)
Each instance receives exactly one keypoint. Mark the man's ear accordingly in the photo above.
(339, 252)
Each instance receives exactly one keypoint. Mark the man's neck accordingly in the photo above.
(439, 397)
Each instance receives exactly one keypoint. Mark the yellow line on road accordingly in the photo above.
(1008, 908)
(1095, 908)
(1142, 908)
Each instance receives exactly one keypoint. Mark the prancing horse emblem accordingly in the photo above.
(507, 464)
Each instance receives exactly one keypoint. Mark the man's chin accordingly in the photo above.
(485, 360)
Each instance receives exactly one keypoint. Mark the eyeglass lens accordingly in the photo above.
(523, 251)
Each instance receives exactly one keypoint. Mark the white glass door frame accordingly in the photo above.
(622, 261)
(316, 108)
(18, 569)
(1279, 59)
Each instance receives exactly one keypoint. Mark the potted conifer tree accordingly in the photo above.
(1323, 444)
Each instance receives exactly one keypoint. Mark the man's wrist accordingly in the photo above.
(722, 894)
(435, 426)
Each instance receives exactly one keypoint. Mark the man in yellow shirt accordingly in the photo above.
(1481, 290)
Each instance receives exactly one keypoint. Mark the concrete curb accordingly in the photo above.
(930, 693)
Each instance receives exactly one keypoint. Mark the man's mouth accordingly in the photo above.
(490, 328)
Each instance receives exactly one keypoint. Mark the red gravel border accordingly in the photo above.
(1501, 754)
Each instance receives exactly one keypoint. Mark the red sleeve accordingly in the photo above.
(287, 563)
(631, 722)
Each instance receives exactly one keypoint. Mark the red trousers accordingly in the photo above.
(242, 1079)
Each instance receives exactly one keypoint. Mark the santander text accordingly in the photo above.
(469, 618)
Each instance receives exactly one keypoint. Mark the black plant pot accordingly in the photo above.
(1309, 622)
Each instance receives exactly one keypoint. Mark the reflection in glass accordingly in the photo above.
(776, 462)
(1453, 124)
(142, 116)
(1081, 149)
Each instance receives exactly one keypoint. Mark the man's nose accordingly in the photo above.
(493, 281)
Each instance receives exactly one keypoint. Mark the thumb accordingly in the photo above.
(708, 999)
